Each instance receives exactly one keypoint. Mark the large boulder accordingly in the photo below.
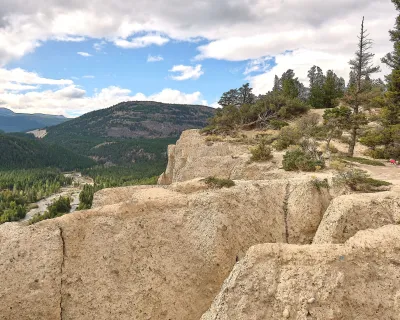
(159, 254)
(348, 214)
(195, 157)
(358, 280)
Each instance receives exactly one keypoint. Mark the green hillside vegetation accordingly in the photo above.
(23, 153)
(20, 188)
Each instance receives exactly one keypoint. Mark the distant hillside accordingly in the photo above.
(19, 152)
(129, 132)
(21, 122)
(136, 120)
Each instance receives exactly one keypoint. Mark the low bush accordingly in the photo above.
(262, 152)
(359, 180)
(287, 137)
(299, 160)
(320, 184)
(277, 124)
(218, 183)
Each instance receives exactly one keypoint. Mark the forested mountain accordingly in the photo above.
(18, 152)
(20, 122)
(129, 132)
(135, 120)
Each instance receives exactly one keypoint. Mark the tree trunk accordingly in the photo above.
(353, 140)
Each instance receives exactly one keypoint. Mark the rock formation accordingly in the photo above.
(357, 280)
(163, 252)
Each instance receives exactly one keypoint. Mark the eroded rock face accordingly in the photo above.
(160, 254)
(358, 280)
(346, 215)
(31, 261)
(193, 157)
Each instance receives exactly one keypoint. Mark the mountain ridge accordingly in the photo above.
(11, 121)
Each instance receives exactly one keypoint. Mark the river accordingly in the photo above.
(72, 191)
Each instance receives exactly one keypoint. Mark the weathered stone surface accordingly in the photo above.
(30, 272)
(358, 280)
(193, 157)
(346, 215)
(153, 255)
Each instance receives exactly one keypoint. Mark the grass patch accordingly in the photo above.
(217, 183)
(363, 161)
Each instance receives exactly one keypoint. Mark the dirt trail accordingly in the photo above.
(71, 191)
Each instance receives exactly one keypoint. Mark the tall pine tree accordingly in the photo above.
(358, 94)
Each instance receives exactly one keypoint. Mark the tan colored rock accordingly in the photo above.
(30, 272)
(193, 157)
(161, 254)
(349, 214)
(358, 280)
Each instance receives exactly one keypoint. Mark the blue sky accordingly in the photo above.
(65, 57)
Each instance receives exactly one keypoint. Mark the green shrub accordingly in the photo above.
(218, 183)
(299, 160)
(262, 152)
(359, 180)
(320, 184)
(288, 136)
(277, 124)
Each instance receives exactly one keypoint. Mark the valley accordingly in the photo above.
(72, 191)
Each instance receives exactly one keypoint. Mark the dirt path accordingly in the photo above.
(71, 191)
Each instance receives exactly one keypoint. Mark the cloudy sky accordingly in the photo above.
(72, 56)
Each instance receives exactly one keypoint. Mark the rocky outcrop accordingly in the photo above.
(349, 214)
(194, 157)
(154, 254)
(358, 280)
(163, 252)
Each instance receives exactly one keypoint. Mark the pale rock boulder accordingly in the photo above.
(193, 157)
(358, 280)
(348, 214)
(160, 254)
(31, 262)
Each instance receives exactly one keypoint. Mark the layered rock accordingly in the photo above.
(348, 214)
(358, 280)
(161, 254)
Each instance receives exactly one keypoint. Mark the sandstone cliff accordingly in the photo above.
(274, 246)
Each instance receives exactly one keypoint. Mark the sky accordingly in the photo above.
(70, 57)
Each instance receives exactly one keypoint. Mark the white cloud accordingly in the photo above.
(67, 38)
(88, 76)
(98, 46)
(20, 91)
(186, 72)
(151, 58)
(141, 42)
(84, 54)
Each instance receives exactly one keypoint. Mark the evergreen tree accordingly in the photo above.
(392, 59)
(333, 89)
(317, 79)
(358, 94)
